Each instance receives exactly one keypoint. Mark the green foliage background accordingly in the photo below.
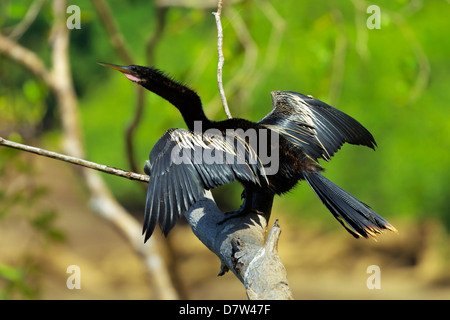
(394, 80)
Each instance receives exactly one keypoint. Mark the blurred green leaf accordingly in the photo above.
(10, 273)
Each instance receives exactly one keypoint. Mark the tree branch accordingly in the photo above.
(74, 160)
(116, 38)
(221, 58)
(339, 55)
(243, 82)
(27, 58)
(32, 12)
(150, 48)
(239, 244)
(117, 41)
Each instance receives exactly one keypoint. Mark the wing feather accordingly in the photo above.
(315, 127)
(179, 175)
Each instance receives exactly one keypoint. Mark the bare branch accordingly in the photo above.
(64, 91)
(197, 4)
(339, 55)
(423, 72)
(244, 81)
(239, 244)
(74, 160)
(152, 42)
(150, 48)
(271, 51)
(27, 58)
(221, 58)
(101, 198)
(106, 16)
(118, 44)
(32, 12)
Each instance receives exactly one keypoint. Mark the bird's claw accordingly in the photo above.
(238, 213)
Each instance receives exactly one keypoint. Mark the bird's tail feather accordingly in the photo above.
(358, 218)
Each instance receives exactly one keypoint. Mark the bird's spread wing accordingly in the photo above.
(315, 127)
(183, 164)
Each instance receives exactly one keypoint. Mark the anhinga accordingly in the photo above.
(307, 129)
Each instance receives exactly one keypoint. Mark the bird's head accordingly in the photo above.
(134, 73)
(181, 96)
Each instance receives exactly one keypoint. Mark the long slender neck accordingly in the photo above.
(184, 99)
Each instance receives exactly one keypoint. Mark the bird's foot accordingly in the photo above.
(242, 211)
(232, 214)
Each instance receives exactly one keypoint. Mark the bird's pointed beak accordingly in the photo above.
(127, 71)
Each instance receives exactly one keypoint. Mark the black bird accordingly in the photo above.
(185, 163)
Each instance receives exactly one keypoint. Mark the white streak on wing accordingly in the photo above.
(311, 119)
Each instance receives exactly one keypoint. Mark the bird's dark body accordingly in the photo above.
(292, 161)
(305, 129)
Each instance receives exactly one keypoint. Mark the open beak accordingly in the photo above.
(127, 71)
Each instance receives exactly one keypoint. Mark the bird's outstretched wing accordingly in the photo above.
(315, 127)
(183, 164)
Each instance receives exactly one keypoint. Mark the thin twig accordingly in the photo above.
(155, 38)
(106, 16)
(27, 58)
(32, 12)
(244, 81)
(117, 41)
(136, 119)
(339, 55)
(74, 160)
(221, 58)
